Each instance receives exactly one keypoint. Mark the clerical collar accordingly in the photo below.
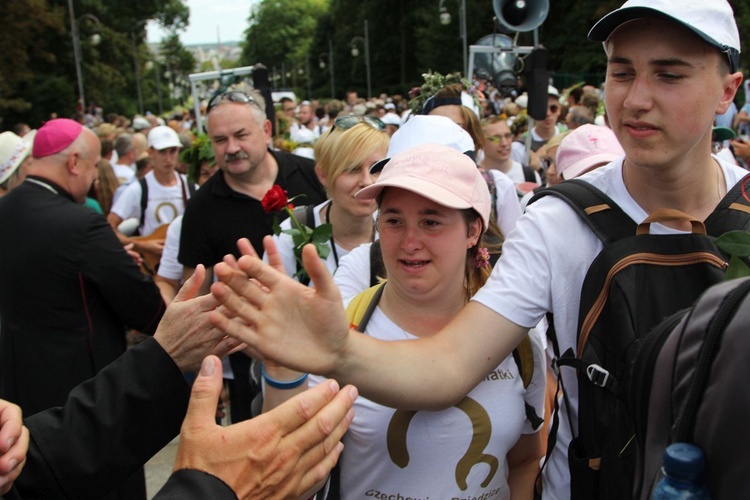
(49, 185)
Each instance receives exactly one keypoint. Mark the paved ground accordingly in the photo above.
(159, 468)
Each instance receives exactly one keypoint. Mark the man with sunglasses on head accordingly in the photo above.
(228, 206)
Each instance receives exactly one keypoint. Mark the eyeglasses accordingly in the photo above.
(233, 96)
(495, 139)
(553, 108)
(346, 122)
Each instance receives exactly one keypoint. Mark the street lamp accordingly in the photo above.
(322, 65)
(95, 39)
(445, 19)
(355, 53)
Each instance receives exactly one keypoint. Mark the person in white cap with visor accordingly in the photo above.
(672, 65)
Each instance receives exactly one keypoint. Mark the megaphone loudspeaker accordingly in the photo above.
(520, 15)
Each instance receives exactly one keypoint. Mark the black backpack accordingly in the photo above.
(188, 190)
(690, 385)
(636, 281)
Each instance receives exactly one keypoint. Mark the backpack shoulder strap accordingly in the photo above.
(733, 211)
(310, 216)
(605, 218)
(362, 306)
(377, 268)
(524, 358)
(144, 199)
(491, 186)
(528, 174)
(523, 355)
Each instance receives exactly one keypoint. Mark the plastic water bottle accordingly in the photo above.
(683, 467)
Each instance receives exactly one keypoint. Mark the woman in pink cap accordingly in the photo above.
(434, 209)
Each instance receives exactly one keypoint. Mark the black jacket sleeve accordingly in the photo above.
(187, 484)
(109, 426)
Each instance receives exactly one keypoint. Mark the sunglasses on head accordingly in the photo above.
(348, 121)
(495, 139)
(233, 96)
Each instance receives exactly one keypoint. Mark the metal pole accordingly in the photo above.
(308, 75)
(137, 73)
(157, 67)
(367, 61)
(462, 21)
(330, 62)
(77, 53)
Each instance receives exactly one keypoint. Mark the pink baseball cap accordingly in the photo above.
(439, 173)
(54, 136)
(584, 148)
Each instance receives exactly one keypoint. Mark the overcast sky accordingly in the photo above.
(230, 16)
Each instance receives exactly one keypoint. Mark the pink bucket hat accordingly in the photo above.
(54, 136)
(584, 148)
(438, 173)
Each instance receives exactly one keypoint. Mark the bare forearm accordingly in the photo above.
(521, 480)
(523, 466)
(429, 373)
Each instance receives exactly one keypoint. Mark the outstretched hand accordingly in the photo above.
(14, 443)
(186, 332)
(279, 454)
(280, 319)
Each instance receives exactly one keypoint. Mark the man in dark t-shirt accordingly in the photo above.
(228, 206)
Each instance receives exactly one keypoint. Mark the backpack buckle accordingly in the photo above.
(597, 375)
(555, 367)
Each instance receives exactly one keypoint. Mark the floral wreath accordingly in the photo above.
(433, 82)
(199, 152)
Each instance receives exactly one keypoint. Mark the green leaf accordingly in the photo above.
(323, 250)
(322, 233)
(737, 268)
(735, 243)
(276, 226)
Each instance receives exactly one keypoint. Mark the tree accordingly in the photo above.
(37, 67)
(281, 33)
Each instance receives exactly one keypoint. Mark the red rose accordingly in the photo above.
(275, 199)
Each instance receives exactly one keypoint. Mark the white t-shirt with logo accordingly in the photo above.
(439, 454)
(541, 270)
(163, 206)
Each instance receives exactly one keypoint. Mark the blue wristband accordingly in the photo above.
(281, 385)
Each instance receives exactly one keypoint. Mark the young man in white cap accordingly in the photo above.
(167, 192)
(672, 65)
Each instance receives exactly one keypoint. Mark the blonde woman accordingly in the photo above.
(343, 155)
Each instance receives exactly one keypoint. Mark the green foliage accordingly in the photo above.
(737, 245)
(37, 66)
(281, 32)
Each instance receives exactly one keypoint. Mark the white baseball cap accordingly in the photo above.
(421, 129)
(163, 137)
(391, 119)
(439, 173)
(712, 20)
